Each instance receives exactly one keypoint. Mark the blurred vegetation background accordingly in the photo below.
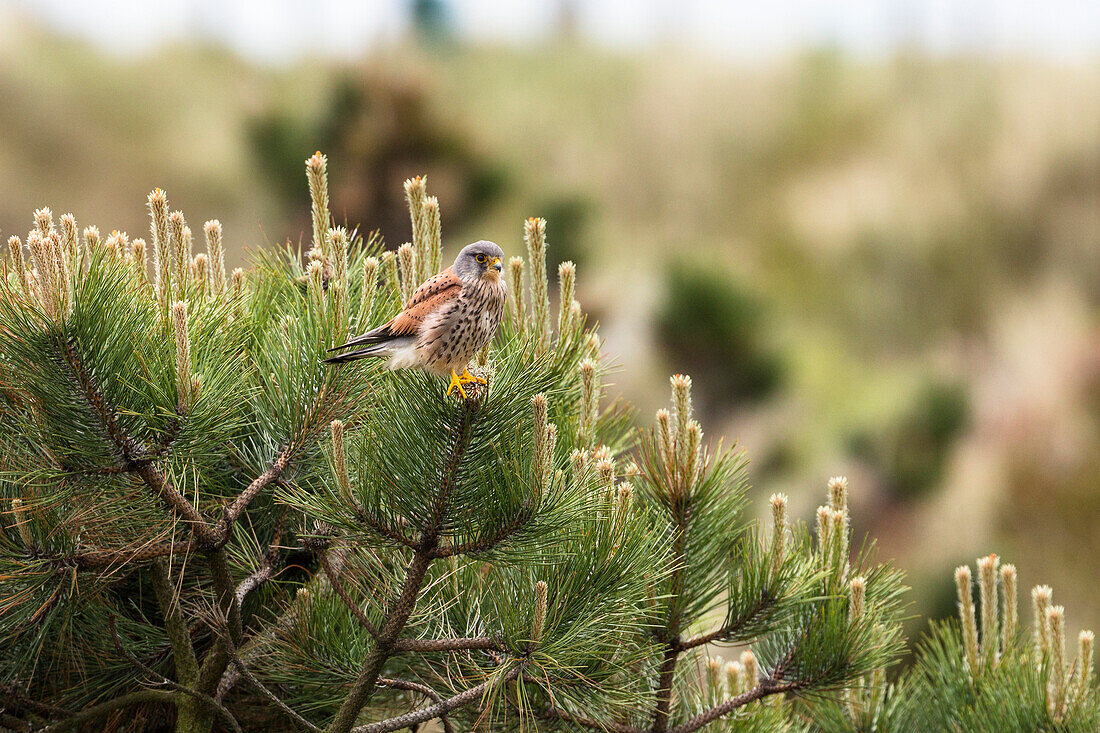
(886, 266)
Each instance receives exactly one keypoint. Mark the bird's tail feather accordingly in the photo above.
(378, 335)
(377, 350)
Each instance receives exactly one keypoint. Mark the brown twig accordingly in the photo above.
(271, 697)
(273, 473)
(155, 480)
(216, 661)
(342, 594)
(265, 571)
(725, 630)
(383, 528)
(322, 405)
(93, 558)
(487, 543)
(125, 448)
(764, 689)
(424, 690)
(447, 645)
(96, 470)
(128, 452)
(672, 626)
(441, 708)
(38, 708)
(230, 674)
(78, 720)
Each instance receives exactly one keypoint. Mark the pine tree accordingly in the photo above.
(207, 528)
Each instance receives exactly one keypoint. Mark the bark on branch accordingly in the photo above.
(447, 645)
(764, 689)
(397, 614)
(452, 703)
(396, 684)
(204, 700)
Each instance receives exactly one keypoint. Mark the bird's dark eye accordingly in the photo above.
(480, 258)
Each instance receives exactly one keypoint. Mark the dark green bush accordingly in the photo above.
(710, 326)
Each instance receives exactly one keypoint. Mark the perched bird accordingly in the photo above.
(449, 318)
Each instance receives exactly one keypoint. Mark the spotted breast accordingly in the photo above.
(452, 336)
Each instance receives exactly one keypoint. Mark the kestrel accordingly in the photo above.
(449, 318)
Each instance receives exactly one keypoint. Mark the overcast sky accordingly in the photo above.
(274, 31)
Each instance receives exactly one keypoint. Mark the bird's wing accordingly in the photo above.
(435, 292)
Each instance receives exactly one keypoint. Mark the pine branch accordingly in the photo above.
(212, 674)
(155, 480)
(230, 674)
(342, 594)
(49, 604)
(424, 690)
(485, 544)
(166, 440)
(100, 558)
(447, 645)
(260, 576)
(206, 700)
(396, 618)
(183, 653)
(452, 703)
(265, 571)
(78, 720)
(216, 661)
(127, 450)
(664, 689)
(463, 431)
(384, 528)
(398, 614)
(95, 470)
(222, 531)
(703, 639)
(91, 558)
(726, 630)
(667, 672)
(452, 498)
(267, 478)
(245, 672)
(225, 590)
(764, 689)
(21, 701)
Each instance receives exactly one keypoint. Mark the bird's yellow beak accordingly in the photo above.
(495, 264)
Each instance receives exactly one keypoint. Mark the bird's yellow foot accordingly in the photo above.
(456, 383)
(466, 378)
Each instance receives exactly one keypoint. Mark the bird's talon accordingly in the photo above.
(467, 378)
(456, 383)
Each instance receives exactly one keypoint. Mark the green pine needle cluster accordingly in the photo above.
(204, 527)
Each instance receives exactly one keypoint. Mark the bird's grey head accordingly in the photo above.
(479, 261)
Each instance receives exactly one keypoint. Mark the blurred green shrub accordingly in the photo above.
(570, 214)
(432, 20)
(912, 454)
(383, 130)
(713, 328)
